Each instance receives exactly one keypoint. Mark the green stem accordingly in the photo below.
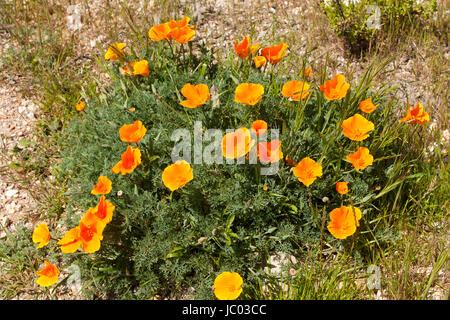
(258, 173)
(184, 56)
(185, 111)
(171, 48)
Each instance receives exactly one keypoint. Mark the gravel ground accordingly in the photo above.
(17, 120)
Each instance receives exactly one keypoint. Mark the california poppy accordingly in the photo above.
(48, 275)
(367, 105)
(91, 234)
(180, 23)
(356, 128)
(237, 143)
(103, 186)
(248, 93)
(360, 159)
(179, 30)
(335, 89)
(138, 68)
(259, 127)
(131, 158)
(275, 53)
(196, 95)
(244, 48)
(80, 106)
(290, 162)
(132, 133)
(71, 240)
(103, 212)
(344, 221)
(176, 175)
(270, 151)
(182, 35)
(295, 90)
(228, 286)
(115, 51)
(41, 235)
(88, 234)
(342, 187)
(259, 61)
(307, 171)
(416, 115)
(159, 32)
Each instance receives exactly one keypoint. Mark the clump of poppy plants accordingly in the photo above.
(179, 222)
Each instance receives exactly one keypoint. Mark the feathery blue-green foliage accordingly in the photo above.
(223, 220)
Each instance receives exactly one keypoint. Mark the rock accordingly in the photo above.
(279, 263)
(5, 221)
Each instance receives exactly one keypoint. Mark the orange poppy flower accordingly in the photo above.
(259, 127)
(367, 106)
(132, 133)
(103, 212)
(259, 61)
(180, 31)
(80, 106)
(131, 158)
(115, 51)
(361, 159)
(159, 32)
(342, 187)
(71, 241)
(248, 93)
(335, 89)
(88, 234)
(48, 275)
(307, 72)
(416, 115)
(138, 68)
(295, 90)
(228, 286)
(356, 128)
(244, 48)
(275, 53)
(269, 151)
(290, 162)
(176, 175)
(41, 235)
(103, 186)
(253, 48)
(182, 35)
(196, 95)
(237, 143)
(344, 221)
(180, 23)
(132, 109)
(307, 171)
(91, 234)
